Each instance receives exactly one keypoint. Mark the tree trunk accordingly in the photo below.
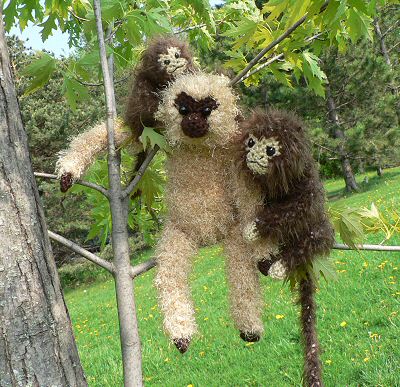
(385, 53)
(37, 346)
(338, 133)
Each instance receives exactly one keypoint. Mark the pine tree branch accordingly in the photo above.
(88, 184)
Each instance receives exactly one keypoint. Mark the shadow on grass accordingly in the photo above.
(364, 185)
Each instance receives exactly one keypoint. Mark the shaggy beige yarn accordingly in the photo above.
(87, 146)
(205, 197)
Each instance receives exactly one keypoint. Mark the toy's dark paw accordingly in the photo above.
(182, 344)
(249, 337)
(265, 265)
(66, 182)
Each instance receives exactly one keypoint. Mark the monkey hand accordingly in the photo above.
(66, 182)
(277, 270)
(250, 232)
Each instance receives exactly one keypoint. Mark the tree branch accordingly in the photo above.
(128, 324)
(132, 185)
(142, 267)
(282, 37)
(88, 184)
(83, 252)
(341, 246)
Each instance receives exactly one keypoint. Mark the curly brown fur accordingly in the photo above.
(150, 78)
(293, 214)
(312, 369)
(277, 153)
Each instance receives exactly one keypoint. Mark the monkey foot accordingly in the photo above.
(66, 182)
(264, 266)
(182, 344)
(250, 337)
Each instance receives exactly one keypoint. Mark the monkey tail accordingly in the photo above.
(312, 364)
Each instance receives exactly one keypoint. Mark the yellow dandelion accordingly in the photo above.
(167, 359)
(190, 385)
(366, 359)
(205, 288)
(205, 318)
(279, 316)
(329, 361)
(343, 323)
(202, 353)
(249, 344)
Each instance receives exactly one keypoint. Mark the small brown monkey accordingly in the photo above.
(277, 153)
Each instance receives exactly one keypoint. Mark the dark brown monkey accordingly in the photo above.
(164, 58)
(277, 152)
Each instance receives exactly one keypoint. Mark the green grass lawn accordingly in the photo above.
(358, 321)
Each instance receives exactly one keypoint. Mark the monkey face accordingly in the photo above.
(199, 109)
(195, 114)
(260, 152)
(172, 62)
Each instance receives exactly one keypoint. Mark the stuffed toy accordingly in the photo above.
(277, 154)
(162, 61)
(198, 112)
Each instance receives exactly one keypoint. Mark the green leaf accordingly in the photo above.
(149, 135)
(40, 72)
(359, 25)
(323, 266)
(74, 92)
(48, 26)
(10, 14)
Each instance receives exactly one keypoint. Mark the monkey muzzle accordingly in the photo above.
(194, 125)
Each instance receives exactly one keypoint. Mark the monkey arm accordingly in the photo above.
(73, 162)
(289, 215)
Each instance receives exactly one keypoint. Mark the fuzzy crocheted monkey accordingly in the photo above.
(202, 196)
(277, 153)
(164, 59)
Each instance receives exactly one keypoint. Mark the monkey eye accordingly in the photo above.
(183, 110)
(250, 142)
(271, 150)
(167, 62)
(177, 55)
(207, 111)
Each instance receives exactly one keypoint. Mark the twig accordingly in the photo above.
(257, 58)
(102, 84)
(132, 185)
(142, 267)
(79, 18)
(341, 246)
(390, 28)
(94, 186)
(265, 64)
(83, 252)
(267, 61)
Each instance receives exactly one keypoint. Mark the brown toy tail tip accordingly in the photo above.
(312, 362)
(182, 345)
(66, 182)
(249, 337)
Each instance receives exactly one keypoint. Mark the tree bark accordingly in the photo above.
(385, 53)
(338, 133)
(37, 346)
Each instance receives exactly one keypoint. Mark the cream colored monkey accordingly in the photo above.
(198, 112)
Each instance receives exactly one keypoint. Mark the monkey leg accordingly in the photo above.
(244, 287)
(173, 253)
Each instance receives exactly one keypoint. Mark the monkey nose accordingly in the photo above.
(194, 125)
